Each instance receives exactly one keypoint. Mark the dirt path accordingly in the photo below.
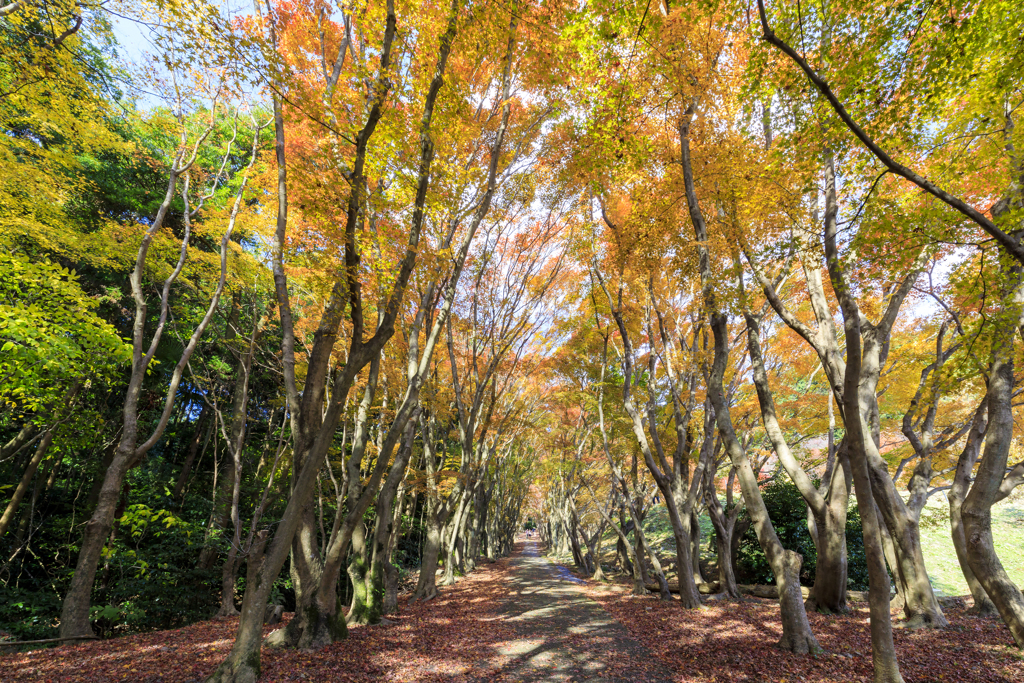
(562, 635)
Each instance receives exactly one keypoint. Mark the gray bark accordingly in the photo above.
(976, 511)
(74, 620)
(796, 631)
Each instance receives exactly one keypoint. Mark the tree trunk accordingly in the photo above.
(684, 533)
(37, 457)
(828, 595)
(74, 619)
(391, 573)
(977, 507)
(390, 603)
(622, 555)
(476, 528)
(639, 585)
(921, 608)
(435, 516)
(884, 662)
(796, 630)
(227, 585)
(19, 440)
(643, 546)
(595, 551)
(426, 586)
(829, 516)
(305, 570)
(642, 553)
(201, 434)
(26, 480)
(25, 523)
(384, 529)
(725, 528)
(698, 574)
(448, 576)
(220, 520)
(359, 575)
(983, 606)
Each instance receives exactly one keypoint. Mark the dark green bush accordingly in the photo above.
(788, 513)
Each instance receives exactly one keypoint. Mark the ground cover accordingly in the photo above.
(729, 642)
(523, 619)
(937, 545)
(447, 639)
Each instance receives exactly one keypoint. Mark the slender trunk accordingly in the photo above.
(921, 608)
(631, 559)
(25, 524)
(685, 531)
(724, 524)
(574, 543)
(358, 573)
(201, 434)
(976, 511)
(74, 619)
(227, 585)
(698, 574)
(594, 546)
(26, 480)
(236, 443)
(828, 595)
(983, 606)
(24, 435)
(313, 427)
(435, 514)
(104, 582)
(390, 604)
(884, 662)
(642, 546)
(477, 528)
(75, 613)
(384, 528)
(621, 552)
(220, 519)
(426, 586)
(796, 631)
(448, 576)
(42, 448)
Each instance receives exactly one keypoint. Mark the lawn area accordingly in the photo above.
(943, 568)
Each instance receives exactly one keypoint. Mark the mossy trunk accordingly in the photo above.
(361, 609)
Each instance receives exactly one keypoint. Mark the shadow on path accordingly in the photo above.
(562, 635)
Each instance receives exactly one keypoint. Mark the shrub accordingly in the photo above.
(788, 513)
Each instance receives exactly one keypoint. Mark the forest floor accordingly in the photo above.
(730, 641)
(525, 618)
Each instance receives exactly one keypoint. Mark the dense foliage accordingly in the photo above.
(789, 514)
(310, 303)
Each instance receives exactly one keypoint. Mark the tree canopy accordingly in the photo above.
(302, 299)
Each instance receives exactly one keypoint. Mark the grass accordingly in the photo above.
(937, 545)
